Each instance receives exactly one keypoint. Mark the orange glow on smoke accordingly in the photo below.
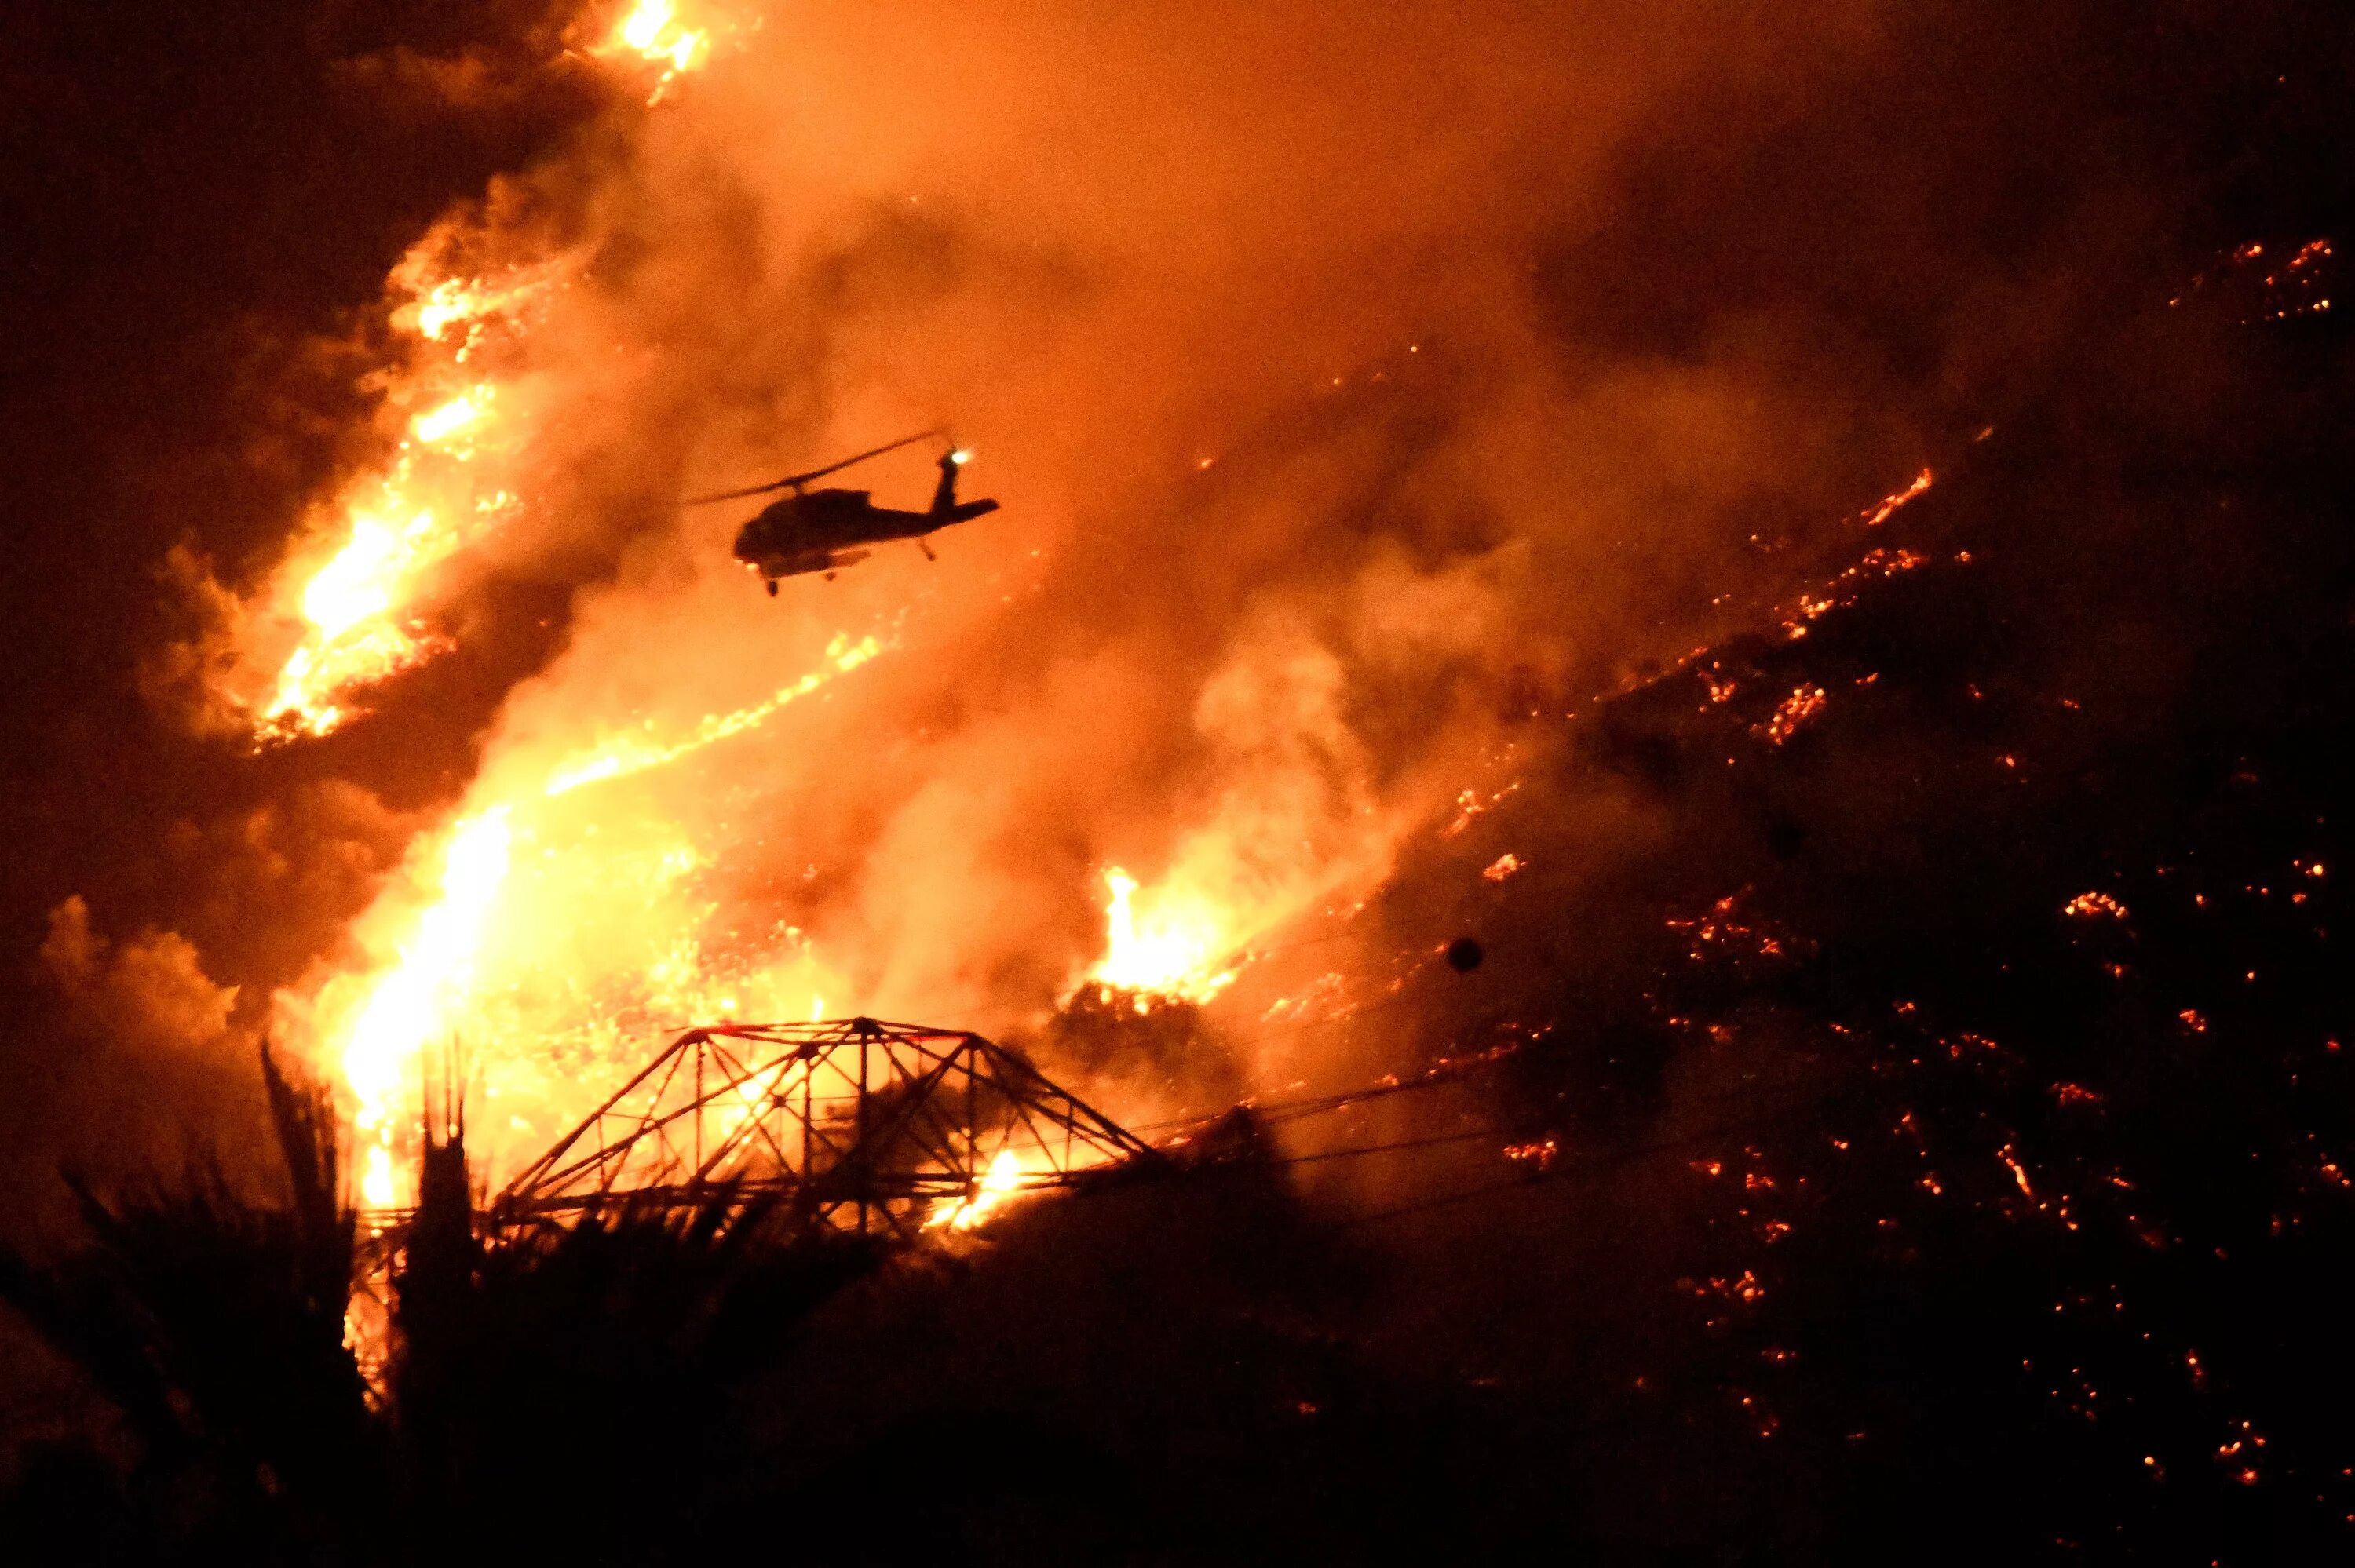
(625, 860)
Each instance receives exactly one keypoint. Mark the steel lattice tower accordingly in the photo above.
(857, 1124)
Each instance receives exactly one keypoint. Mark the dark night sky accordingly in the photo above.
(202, 204)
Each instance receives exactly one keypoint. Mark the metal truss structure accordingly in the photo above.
(861, 1125)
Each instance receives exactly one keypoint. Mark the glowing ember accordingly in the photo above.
(2086, 906)
(1802, 704)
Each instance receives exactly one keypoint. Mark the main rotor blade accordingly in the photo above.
(814, 473)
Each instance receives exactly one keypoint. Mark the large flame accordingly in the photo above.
(554, 930)
(1179, 945)
(713, 804)
(354, 599)
(651, 31)
(354, 608)
(410, 1002)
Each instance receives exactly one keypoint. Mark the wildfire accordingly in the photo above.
(550, 926)
(651, 31)
(1890, 504)
(1177, 945)
(406, 1007)
(995, 1185)
(355, 613)
(622, 758)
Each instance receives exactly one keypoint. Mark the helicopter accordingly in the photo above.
(822, 530)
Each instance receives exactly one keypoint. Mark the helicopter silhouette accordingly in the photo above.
(823, 530)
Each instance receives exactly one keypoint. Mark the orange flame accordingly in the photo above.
(408, 1005)
(622, 758)
(551, 935)
(651, 31)
(1177, 946)
(1001, 1181)
(354, 613)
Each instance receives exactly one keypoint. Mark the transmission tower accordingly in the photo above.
(857, 1124)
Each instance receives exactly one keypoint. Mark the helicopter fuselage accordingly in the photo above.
(826, 530)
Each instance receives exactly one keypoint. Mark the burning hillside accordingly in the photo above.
(1661, 692)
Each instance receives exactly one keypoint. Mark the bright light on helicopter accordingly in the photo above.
(961, 455)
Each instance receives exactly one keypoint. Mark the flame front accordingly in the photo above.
(355, 610)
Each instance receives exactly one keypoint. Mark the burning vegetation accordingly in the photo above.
(1498, 956)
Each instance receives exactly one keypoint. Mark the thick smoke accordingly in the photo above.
(1357, 389)
(1921, 1002)
(1309, 488)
